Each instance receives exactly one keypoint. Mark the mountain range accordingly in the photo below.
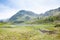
(24, 15)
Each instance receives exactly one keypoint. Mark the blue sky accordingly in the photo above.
(10, 7)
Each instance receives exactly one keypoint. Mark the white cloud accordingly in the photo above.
(6, 12)
(37, 6)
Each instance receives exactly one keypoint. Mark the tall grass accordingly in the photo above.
(29, 33)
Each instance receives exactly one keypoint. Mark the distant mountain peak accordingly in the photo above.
(22, 11)
(23, 15)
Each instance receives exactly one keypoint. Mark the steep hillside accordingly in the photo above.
(52, 12)
(23, 16)
(49, 16)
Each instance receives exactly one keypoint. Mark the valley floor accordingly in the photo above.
(37, 32)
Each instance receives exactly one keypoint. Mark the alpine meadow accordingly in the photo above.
(29, 20)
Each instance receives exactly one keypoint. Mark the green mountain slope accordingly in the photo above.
(49, 16)
(23, 16)
(30, 17)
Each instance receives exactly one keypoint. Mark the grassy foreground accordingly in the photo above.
(29, 33)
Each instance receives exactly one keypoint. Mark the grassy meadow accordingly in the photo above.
(8, 32)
